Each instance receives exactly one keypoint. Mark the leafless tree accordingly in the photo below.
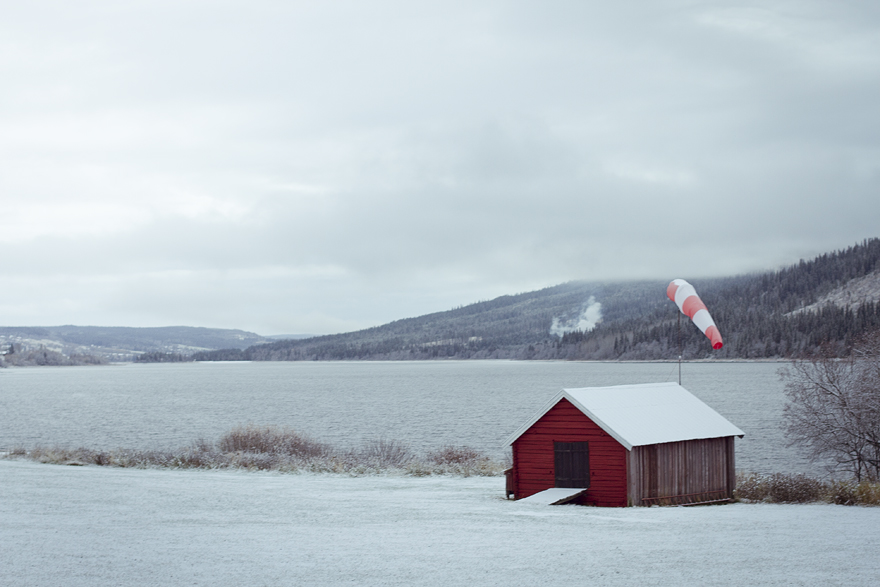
(833, 408)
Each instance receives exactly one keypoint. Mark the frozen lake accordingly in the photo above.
(424, 404)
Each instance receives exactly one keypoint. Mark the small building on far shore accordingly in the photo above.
(627, 445)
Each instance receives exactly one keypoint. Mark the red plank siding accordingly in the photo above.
(533, 456)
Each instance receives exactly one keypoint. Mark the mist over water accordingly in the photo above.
(424, 404)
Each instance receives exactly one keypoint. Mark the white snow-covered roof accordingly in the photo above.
(637, 415)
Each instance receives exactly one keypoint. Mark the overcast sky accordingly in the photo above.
(317, 167)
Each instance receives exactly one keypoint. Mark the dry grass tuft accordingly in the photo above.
(269, 448)
(455, 455)
(779, 488)
(383, 453)
(852, 493)
(458, 460)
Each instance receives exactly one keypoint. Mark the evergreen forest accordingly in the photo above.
(827, 302)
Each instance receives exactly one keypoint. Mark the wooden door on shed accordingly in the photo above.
(572, 464)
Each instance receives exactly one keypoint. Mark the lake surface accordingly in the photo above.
(423, 404)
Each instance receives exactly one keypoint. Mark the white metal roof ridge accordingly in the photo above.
(642, 414)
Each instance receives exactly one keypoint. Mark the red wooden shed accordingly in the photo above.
(651, 444)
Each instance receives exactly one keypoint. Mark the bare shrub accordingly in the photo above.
(851, 493)
(842, 493)
(55, 455)
(140, 459)
(272, 440)
(144, 459)
(779, 488)
(192, 459)
(382, 452)
(203, 445)
(751, 486)
(794, 488)
(868, 493)
(263, 461)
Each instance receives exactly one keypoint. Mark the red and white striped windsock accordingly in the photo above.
(685, 297)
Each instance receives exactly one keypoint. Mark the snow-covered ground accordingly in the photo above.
(91, 526)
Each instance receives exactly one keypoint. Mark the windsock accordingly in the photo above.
(685, 297)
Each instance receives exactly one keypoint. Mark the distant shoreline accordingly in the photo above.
(444, 360)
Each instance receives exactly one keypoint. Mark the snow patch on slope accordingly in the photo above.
(853, 293)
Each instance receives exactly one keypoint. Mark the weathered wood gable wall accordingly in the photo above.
(682, 472)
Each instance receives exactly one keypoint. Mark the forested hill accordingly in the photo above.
(114, 343)
(828, 300)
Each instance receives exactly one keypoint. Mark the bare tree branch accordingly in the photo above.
(833, 408)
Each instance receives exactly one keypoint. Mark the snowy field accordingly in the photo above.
(91, 526)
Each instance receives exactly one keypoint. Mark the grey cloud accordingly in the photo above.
(342, 163)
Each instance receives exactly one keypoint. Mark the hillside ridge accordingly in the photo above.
(828, 302)
(69, 344)
(775, 314)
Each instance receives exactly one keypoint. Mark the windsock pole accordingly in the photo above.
(679, 348)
